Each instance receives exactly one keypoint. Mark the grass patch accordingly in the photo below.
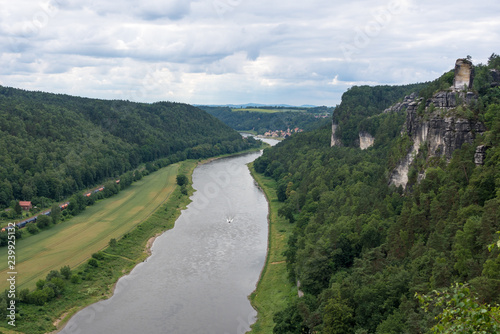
(274, 288)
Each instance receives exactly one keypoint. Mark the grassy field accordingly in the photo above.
(74, 241)
(274, 287)
(269, 111)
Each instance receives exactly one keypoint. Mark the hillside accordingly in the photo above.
(53, 145)
(362, 245)
(276, 118)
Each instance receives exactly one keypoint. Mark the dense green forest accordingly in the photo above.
(52, 145)
(361, 248)
(260, 122)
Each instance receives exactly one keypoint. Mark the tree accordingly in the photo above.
(65, 272)
(112, 242)
(461, 311)
(182, 179)
(338, 317)
(55, 213)
(42, 221)
(32, 228)
(17, 209)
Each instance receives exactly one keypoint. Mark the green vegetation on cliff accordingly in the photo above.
(361, 248)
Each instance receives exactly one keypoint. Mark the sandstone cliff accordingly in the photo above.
(440, 124)
(440, 127)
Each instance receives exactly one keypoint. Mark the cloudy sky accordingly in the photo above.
(237, 51)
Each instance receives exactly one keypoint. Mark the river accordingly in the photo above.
(200, 273)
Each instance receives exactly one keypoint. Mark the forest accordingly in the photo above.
(362, 249)
(52, 145)
(245, 120)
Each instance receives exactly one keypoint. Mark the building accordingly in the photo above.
(25, 205)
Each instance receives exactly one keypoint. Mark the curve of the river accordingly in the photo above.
(201, 272)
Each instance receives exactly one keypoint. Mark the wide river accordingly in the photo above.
(200, 273)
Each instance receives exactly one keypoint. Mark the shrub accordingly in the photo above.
(182, 179)
(184, 190)
(65, 272)
(98, 256)
(52, 274)
(42, 221)
(75, 279)
(93, 262)
(32, 229)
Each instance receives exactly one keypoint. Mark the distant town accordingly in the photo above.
(282, 133)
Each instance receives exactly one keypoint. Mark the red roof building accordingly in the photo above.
(25, 205)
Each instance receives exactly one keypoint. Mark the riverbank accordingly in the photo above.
(90, 284)
(274, 287)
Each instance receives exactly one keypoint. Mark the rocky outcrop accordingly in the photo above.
(439, 127)
(449, 100)
(480, 155)
(442, 129)
(401, 106)
(334, 141)
(464, 74)
(366, 140)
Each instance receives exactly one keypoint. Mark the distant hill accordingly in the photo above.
(266, 118)
(52, 145)
(245, 105)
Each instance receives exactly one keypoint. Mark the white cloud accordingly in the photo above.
(236, 51)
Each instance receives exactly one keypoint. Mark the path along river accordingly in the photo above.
(200, 273)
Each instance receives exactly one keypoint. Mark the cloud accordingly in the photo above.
(236, 51)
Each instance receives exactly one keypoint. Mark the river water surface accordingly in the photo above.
(201, 272)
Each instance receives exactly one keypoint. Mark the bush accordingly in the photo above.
(52, 274)
(38, 297)
(65, 272)
(93, 262)
(98, 256)
(182, 179)
(184, 190)
(112, 242)
(32, 229)
(42, 221)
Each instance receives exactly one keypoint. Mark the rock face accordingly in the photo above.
(449, 100)
(440, 128)
(401, 106)
(334, 141)
(480, 155)
(366, 140)
(464, 74)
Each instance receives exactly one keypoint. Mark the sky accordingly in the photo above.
(237, 51)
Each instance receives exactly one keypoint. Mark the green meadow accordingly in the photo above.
(274, 287)
(72, 242)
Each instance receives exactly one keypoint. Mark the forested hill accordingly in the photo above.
(261, 122)
(52, 145)
(362, 248)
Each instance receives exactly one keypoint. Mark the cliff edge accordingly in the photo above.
(441, 124)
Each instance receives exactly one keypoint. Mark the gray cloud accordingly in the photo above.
(236, 51)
